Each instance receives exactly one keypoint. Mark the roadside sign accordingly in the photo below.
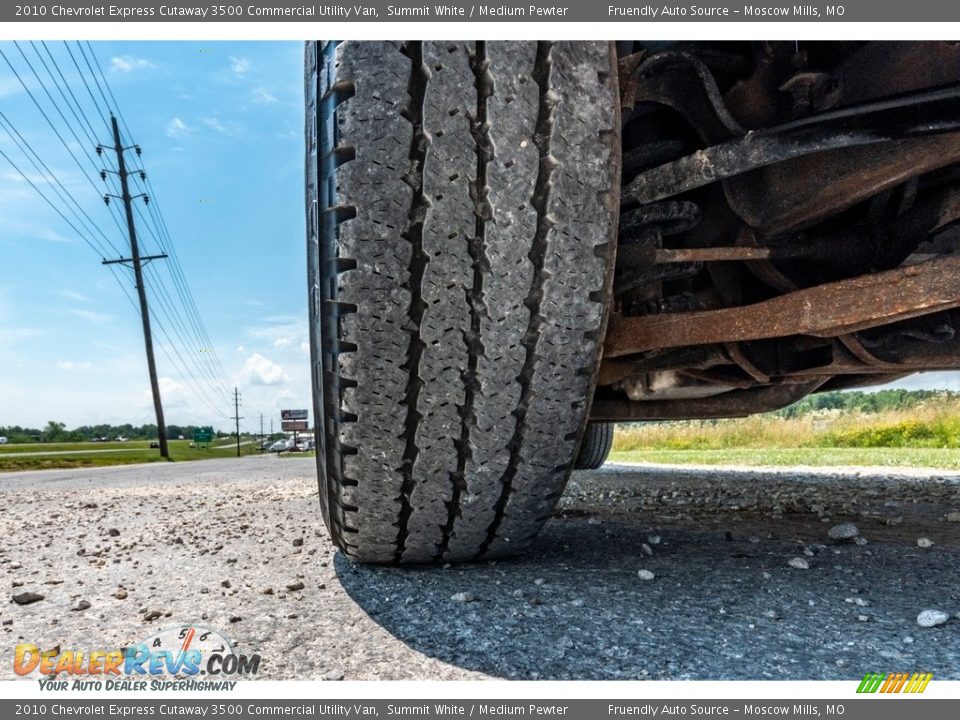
(203, 435)
(293, 414)
(294, 425)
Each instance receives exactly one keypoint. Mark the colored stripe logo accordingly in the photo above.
(894, 683)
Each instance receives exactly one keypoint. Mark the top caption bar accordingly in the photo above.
(460, 11)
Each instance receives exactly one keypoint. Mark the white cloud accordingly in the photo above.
(128, 63)
(73, 365)
(177, 128)
(260, 96)
(214, 124)
(258, 370)
(89, 315)
(231, 128)
(73, 295)
(280, 331)
(239, 66)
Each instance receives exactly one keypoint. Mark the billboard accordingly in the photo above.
(293, 414)
(289, 425)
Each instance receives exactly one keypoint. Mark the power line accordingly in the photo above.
(186, 328)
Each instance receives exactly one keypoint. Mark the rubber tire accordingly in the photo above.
(595, 446)
(461, 206)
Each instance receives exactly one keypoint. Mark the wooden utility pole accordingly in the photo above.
(236, 416)
(137, 263)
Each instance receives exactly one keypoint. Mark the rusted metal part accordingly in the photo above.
(743, 362)
(891, 68)
(932, 112)
(611, 407)
(718, 254)
(826, 310)
(799, 193)
(764, 270)
(856, 348)
(694, 357)
(812, 91)
(723, 376)
(683, 82)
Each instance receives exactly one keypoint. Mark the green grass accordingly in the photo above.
(125, 453)
(945, 458)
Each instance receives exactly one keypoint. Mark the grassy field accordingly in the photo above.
(78, 455)
(924, 436)
(946, 458)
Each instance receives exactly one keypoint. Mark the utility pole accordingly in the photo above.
(261, 433)
(138, 263)
(236, 416)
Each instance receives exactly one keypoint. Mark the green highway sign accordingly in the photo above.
(203, 435)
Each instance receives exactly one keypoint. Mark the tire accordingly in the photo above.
(595, 446)
(462, 202)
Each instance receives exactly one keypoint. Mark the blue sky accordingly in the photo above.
(220, 125)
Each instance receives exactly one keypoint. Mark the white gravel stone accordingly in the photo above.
(932, 618)
(799, 563)
(463, 597)
(843, 531)
(647, 550)
(924, 542)
(645, 575)
(953, 516)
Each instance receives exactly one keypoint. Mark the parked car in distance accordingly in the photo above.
(281, 445)
(154, 444)
(3, 440)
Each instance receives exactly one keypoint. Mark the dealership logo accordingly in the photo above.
(894, 683)
(184, 651)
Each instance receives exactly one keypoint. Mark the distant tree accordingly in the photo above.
(54, 432)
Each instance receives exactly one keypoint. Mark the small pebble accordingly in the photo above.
(463, 597)
(799, 563)
(924, 542)
(645, 575)
(26, 598)
(843, 531)
(932, 618)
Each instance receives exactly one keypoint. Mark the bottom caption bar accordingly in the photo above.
(874, 708)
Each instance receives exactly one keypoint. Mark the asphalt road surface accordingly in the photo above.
(238, 545)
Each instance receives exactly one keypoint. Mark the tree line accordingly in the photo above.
(58, 432)
(867, 402)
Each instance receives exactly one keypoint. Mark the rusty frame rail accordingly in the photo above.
(827, 310)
